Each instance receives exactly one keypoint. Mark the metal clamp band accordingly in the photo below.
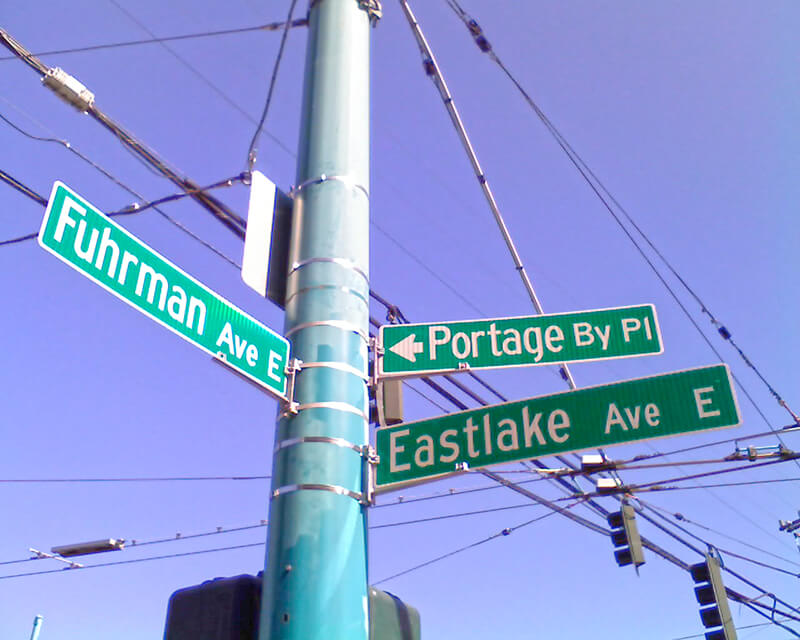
(337, 324)
(342, 262)
(336, 406)
(346, 180)
(340, 366)
(339, 442)
(290, 488)
(331, 287)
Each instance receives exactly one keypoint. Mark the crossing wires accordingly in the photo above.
(613, 206)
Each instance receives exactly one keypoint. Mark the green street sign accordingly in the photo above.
(423, 349)
(594, 417)
(92, 243)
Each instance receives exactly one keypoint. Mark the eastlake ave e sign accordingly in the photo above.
(424, 349)
(96, 246)
(593, 417)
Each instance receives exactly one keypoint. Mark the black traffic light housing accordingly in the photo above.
(625, 536)
(711, 595)
(230, 608)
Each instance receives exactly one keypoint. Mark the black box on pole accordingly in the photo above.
(219, 609)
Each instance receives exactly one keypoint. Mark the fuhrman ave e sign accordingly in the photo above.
(93, 244)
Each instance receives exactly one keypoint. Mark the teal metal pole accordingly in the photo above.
(315, 582)
(37, 626)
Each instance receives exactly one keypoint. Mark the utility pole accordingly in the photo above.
(315, 582)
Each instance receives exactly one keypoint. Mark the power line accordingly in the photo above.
(23, 189)
(716, 472)
(738, 628)
(178, 537)
(134, 561)
(450, 516)
(220, 211)
(726, 551)
(253, 150)
(725, 568)
(132, 479)
(207, 81)
(137, 208)
(721, 485)
(596, 185)
(434, 72)
(786, 429)
(505, 532)
(681, 518)
(273, 26)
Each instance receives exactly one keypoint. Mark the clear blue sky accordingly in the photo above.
(687, 111)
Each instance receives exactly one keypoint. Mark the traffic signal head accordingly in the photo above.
(711, 595)
(625, 537)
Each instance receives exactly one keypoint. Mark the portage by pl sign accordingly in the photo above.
(594, 417)
(423, 349)
(96, 246)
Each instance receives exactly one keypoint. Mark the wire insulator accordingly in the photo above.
(726, 335)
(430, 68)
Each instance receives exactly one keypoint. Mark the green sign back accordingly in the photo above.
(594, 417)
(96, 246)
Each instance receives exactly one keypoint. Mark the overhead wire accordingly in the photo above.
(786, 429)
(133, 561)
(272, 26)
(178, 537)
(772, 619)
(720, 485)
(204, 78)
(135, 209)
(597, 186)
(433, 70)
(727, 551)
(131, 479)
(220, 211)
(762, 625)
(682, 518)
(503, 533)
(252, 151)
(725, 568)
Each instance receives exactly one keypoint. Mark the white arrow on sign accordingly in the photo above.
(407, 348)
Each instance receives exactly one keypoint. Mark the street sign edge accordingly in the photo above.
(279, 395)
